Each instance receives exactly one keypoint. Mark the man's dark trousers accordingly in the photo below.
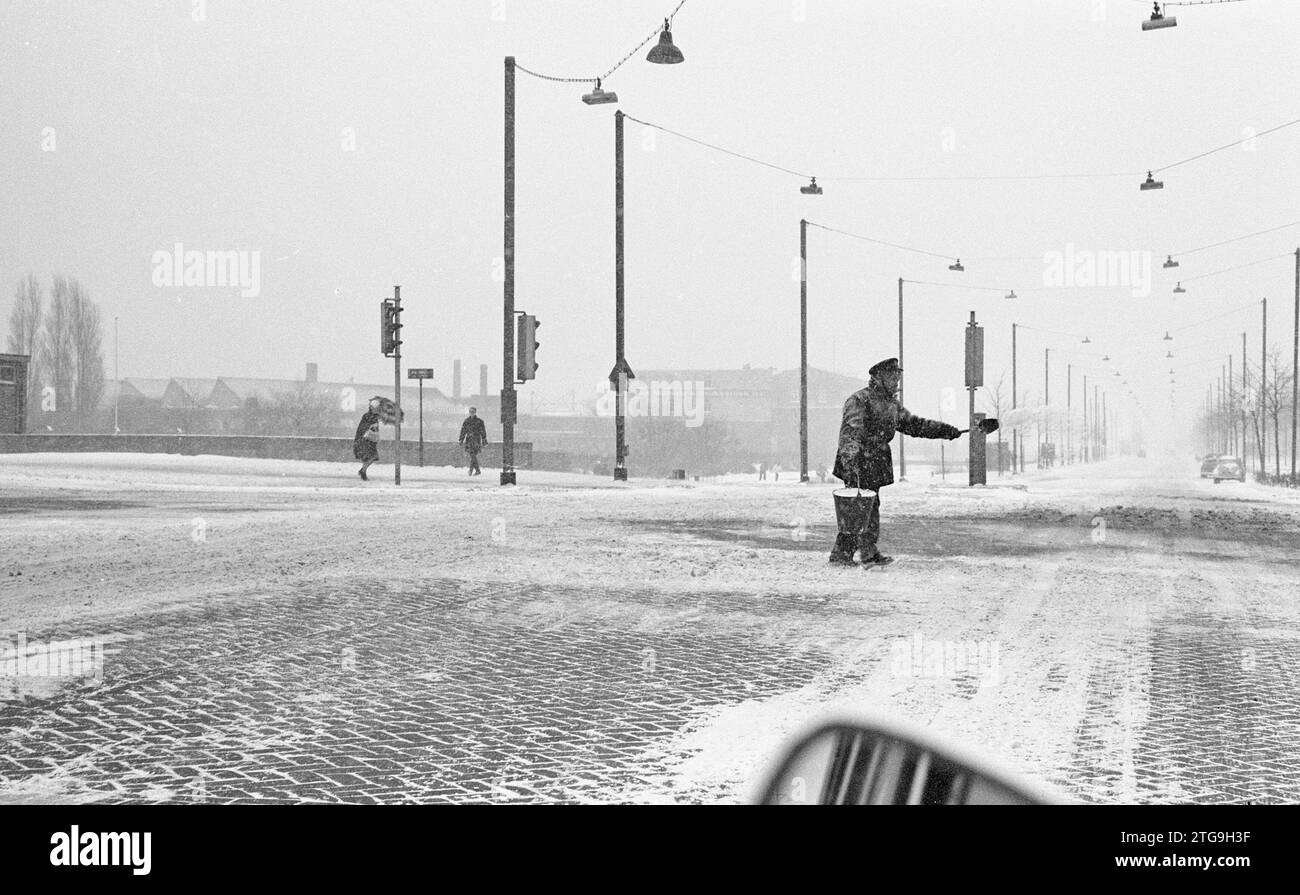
(871, 530)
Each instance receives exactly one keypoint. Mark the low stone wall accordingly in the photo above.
(270, 447)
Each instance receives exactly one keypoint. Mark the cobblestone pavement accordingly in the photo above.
(455, 692)
(446, 693)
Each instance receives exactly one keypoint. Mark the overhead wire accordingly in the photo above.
(598, 78)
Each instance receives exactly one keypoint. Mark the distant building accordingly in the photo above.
(13, 393)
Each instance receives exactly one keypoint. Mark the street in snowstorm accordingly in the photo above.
(649, 402)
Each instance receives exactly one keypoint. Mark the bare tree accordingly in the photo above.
(25, 328)
(994, 399)
(305, 410)
(87, 348)
(70, 348)
(1276, 398)
(57, 355)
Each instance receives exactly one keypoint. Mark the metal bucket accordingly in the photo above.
(852, 507)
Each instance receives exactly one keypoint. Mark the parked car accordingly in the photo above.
(1228, 468)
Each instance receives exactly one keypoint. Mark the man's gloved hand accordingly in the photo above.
(952, 433)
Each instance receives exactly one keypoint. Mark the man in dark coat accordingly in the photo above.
(473, 435)
(864, 460)
(363, 448)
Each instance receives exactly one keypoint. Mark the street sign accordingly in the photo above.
(974, 354)
(419, 373)
(622, 372)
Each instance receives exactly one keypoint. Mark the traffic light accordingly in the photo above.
(526, 346)
(389, 329)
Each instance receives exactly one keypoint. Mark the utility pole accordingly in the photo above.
(508, 396)
(622, 371)
(1228, 414)
(1263, 384)
(1069, 417)
(1085, 449)
(1295, 363)
(118, 396)
(1015, 433)
(803, 351)
(902, 442)
(1223, 448)
(1047, 401)
(397, 384)
(1105, 429)
(1098, 443)
(1245, 384)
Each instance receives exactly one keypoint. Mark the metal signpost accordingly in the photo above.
(421, 374)
(974, 380)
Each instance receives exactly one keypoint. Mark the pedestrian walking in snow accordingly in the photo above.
(762, 472)
(365, 446)
(473, 435)
(865, 461)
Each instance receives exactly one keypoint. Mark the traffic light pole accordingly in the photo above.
(397, 384)
(508, 304)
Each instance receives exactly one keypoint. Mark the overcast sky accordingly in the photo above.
(128, 127)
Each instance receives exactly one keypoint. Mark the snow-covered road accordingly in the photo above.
(1124, 631)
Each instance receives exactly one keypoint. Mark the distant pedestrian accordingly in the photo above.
(776, 472)
(473, 435)
(762, 472)
(365, 446)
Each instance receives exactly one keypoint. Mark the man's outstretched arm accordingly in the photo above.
(920, 427)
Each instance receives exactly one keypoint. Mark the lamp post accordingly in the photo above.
(803, 350)
(622, 371)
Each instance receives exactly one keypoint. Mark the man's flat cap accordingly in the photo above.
(886, 366)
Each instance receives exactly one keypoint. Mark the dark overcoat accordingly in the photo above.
(473, 434)
(362, 448)
(871, 418)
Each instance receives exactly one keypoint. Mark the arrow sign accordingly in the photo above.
(621, 372)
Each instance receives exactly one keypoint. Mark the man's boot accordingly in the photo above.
(842, 553)
(870, 535)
